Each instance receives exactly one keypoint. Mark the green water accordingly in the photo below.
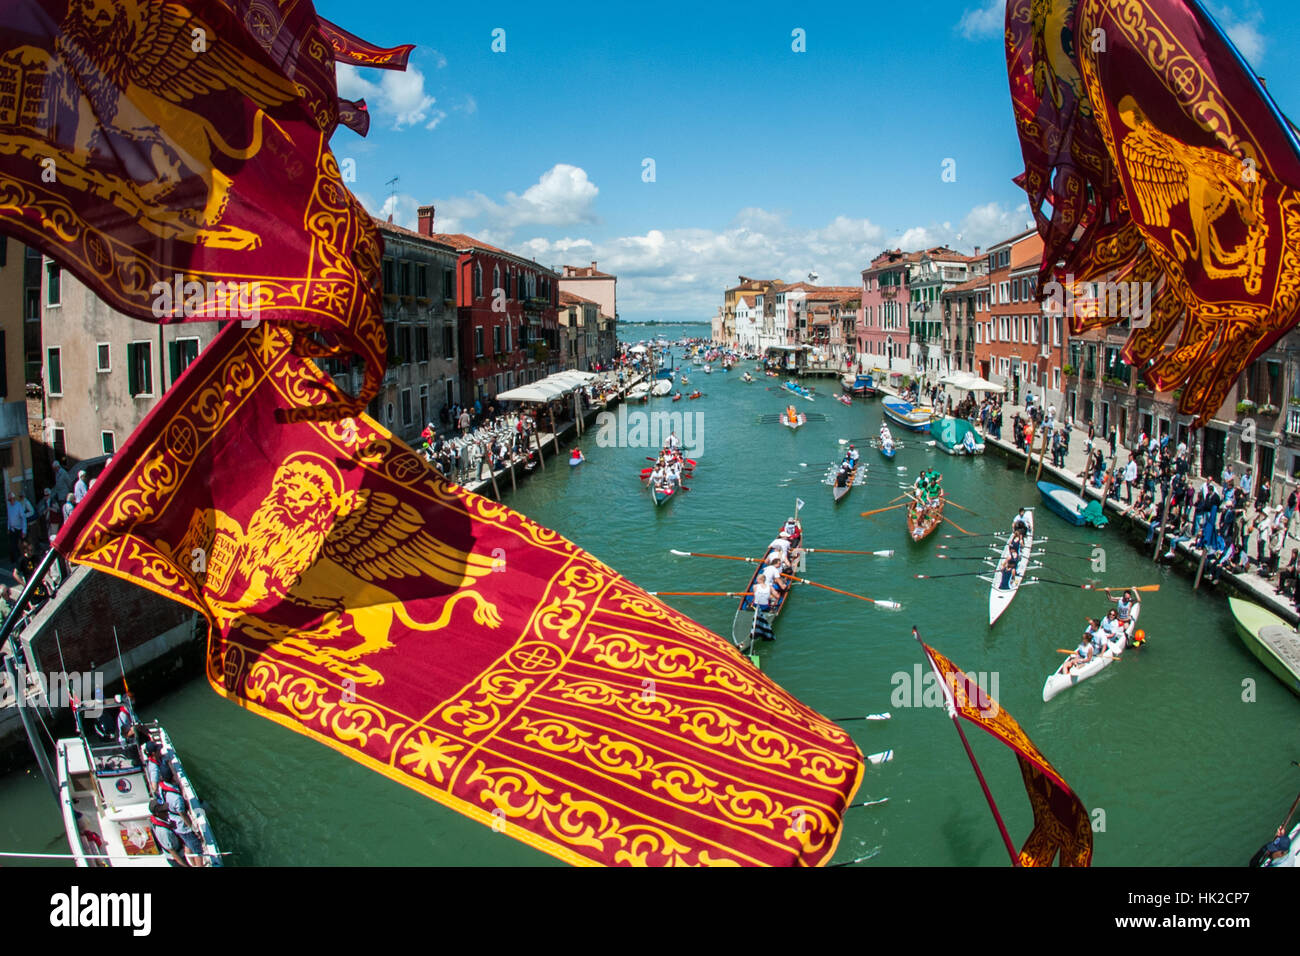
(1162, 742)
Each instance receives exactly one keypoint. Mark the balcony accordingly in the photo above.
(1293, 420)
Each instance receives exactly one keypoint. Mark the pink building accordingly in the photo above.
(883, 337)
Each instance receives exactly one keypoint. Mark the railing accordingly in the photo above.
(1293, 420)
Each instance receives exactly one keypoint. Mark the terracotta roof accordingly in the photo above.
(462, 242)
(979, 282)
(583, 272)
(568, 298)
(383, 225)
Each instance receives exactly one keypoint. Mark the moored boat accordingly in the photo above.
(956, 436)
(912, 417)
(104, 796)
(861, 384)
(1066, 504)
(1269, 638)
(661, 387)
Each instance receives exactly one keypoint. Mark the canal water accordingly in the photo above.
(1181, 751)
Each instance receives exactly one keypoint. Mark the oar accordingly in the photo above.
(888, 605)
(868, 514)
(959, 574)
(1136, 587)
(1095, 587)
(954, 504)
(878, 554)
(861, 859)
(868, 803)
(957, 526)
(885, 716)
(686, 460)
(721, 557)
(700, 593)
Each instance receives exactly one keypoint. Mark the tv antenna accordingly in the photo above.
(392, 196)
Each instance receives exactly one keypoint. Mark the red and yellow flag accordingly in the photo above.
(448, 642)
(1167, 166)
(1061, 823)
(175, 157)
(349, 48)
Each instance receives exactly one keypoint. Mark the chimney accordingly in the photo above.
(593, 265)
(426, 220)
(977, 250)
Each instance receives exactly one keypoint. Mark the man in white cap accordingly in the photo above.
(80, 488)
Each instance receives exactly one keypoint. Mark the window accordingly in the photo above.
(180, 355)
(60, 447)
(102, 354)
(390, 278)
(404, 343)
(478, 281)
(108, 442)
(448, 283)
(139, 367)
(406, 406)
(424, 403)
(421, 333)
(1056, 379)
(451, 392)
(4, 251)
(54, 375)
(496, 279)
(509, 347)
(478, 342)
(53, 283)
(448, 345)
(496, 341)
(404, 279)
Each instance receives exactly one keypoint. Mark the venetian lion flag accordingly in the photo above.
(450, 643)
(1170, 173)
(1061, 823)
(174, 155)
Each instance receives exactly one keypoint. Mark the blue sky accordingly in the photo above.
(767, 162)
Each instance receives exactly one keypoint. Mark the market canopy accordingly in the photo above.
(971, 382)
(548, 388)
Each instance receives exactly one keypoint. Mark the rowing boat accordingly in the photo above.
(1061, 679)
(921, 524)
(1066, 504)
(838, 491)
(861, 384)
(661, 494)
(793, 419)
(1271, 639)
(749, 623)
(1000, 598)
(914, 418)
(795, 389)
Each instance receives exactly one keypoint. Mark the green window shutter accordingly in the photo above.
(175, 359)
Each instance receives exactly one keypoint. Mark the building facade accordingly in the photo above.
(420, 317)
(103, 371)
(579, 320)
(15, 441)
(507, 315)
(934, 272)
(883, 336)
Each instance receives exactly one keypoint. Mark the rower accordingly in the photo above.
(1098, 636)
(781, 547)
(771, 573)
(1082, 654)
(853, 457)
(672, 443)
(1008, 571)
(1019, 522)
(1110, 625)
(1124, 607)
(1278, 850)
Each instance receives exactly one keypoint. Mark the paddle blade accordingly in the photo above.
(889, 605)
(883, 757)
(680, 554)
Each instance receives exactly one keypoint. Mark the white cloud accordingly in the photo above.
(985, 21)
(682, 272)
(399, 95)
(562, 196)
(1243, 29)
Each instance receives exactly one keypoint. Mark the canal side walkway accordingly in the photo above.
(1187, 557)
(507, 476)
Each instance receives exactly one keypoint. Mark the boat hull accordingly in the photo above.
(1058, 681)
(920, 527)
(999, 599)
(1273, 641)
(742, 625)
(1068, 506)
(915, 419)
(838, 492)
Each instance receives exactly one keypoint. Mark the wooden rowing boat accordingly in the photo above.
(838, 491)
(793, 419)
(1061, 680)
(1000, 598)
(1271, 639)
(749, 623)
(795, 390)
(922, 525)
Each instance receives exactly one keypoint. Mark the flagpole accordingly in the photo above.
(956, 722)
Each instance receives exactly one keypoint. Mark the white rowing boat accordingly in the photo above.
(1061, 679)
(1000, 598)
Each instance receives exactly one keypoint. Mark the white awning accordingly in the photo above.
(970, 382)
(551, 387)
